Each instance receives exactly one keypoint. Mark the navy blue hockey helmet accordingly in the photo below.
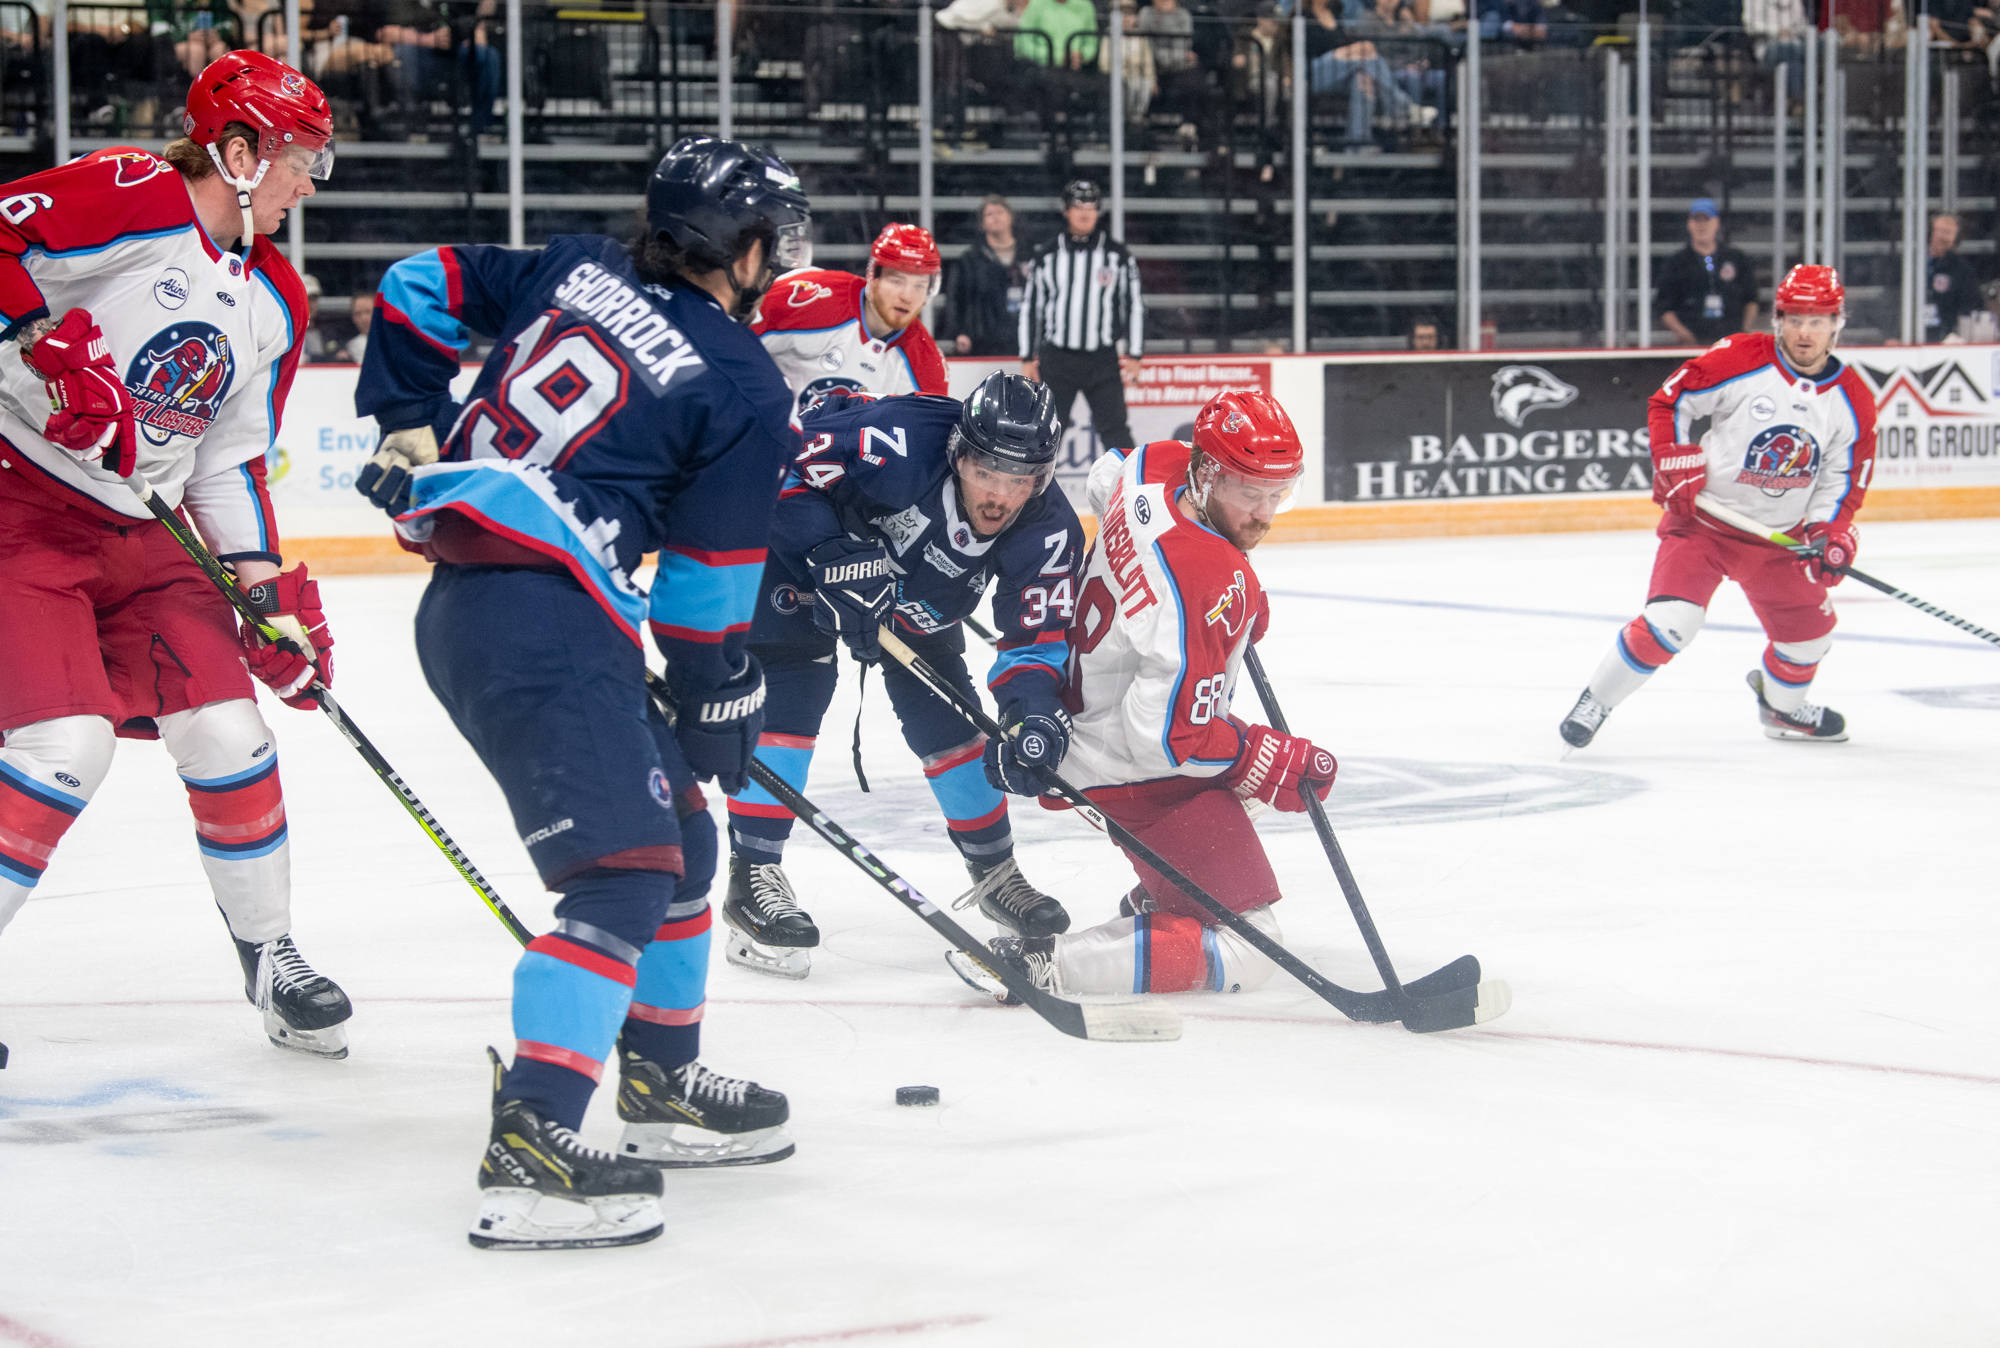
(1009, 425)
(714, 197)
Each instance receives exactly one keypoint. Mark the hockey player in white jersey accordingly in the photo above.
(154, 333)
(1791, 444)
(832, 330)
(1169, 604)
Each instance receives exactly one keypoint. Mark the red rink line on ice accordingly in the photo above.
(1523, 1036)
(849, 1335)
(13, 1331)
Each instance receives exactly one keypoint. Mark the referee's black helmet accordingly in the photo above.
(1082, 192)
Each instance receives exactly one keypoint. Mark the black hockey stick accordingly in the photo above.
(1440, 1001)
(1132, 1022)
(1467, 965)
(1783, 539)
(348, 730)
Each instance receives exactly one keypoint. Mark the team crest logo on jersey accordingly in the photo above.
(179, 380)
(1780, 459)
(785, 599)
(135, 167)
(819, 388)
(1232, 608)
(656, 782)
(1521, 389)
(805, 292)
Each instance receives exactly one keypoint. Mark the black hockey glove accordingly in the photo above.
(853, 589)
(718, 730)
(1036, 735)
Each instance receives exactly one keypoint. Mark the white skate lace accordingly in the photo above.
(1005, 885)
(1807, 714)
(1589, 712)
(569, 1142)
(698, 1080)
(289, 970)
(772, 892)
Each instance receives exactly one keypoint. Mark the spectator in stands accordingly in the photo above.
(1169, 31)
(1261, 65)
(1523, 24)
(360, 312)
(1082, 322)
(983, 288)
(1706, 291)
(1982, 325)
(1060, 21)
(1962, 23)
(1339, 62)
(980, 16)
(427, 58)
(202, 32)
(1141, 78)
(1424, 334)
(1778, 32)
(1865, 23)
(1951, 288)
(318, 348)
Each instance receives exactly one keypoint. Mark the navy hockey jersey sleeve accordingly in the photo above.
(1034, 597)
(425, 313)
(861, 455)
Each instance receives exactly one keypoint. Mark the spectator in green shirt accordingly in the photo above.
(1059, 19)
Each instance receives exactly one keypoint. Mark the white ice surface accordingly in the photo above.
(1748, 1092)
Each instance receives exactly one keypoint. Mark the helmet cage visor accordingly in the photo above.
(964, 455)
(1215, 483)
(791, 246)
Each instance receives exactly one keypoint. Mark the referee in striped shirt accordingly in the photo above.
(1082, 327)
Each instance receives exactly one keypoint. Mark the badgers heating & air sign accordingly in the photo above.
(1450, 427)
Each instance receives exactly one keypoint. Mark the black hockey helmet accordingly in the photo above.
(1082, 192)
(712, 198)
(1009, 425)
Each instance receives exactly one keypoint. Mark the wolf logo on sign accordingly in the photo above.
(179, 380)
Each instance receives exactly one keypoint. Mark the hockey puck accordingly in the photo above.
(916, 1095)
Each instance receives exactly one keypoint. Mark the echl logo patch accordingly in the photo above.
(805, 292)
(1780, 459)
(179, 380)
(1232, 608)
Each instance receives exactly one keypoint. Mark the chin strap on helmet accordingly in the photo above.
(244, 187)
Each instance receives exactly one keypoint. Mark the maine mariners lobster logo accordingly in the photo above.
(1780, 459)
(179, 380)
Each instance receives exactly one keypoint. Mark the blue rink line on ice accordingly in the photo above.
(1615, 618)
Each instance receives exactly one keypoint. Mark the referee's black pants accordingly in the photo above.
(1068, 372)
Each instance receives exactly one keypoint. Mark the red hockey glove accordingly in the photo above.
(289, 601)
(1837, 540)
(1262, 622)
(93, 415)
(1279, 769)
(1679, 472)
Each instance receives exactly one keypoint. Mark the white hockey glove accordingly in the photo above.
(385, 478)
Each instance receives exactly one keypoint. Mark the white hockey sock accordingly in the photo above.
(228, 761)
(1789, 667)
(49, 770)
(1163, 952)
(1657, 635)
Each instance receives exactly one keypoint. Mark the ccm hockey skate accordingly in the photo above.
(768, 931)
(683, 1117)
(303, 1010)
(1011, 903)
(544, 1190)
(1580, 726)
(1807, 723)
(1032, 957)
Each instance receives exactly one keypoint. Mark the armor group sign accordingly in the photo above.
(1937, 417)
(1476, 425)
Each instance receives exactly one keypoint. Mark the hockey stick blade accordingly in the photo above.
(1113, 1022)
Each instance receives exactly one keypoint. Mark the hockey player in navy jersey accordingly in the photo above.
(904, 510)
(624, 410)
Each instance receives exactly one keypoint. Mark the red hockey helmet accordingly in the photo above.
(285, 107)
(907, 248)
(1249, 435)
(1811, 290)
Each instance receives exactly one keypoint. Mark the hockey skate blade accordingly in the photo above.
(792, 962)
(1772, 732)
(521, 1219)
(1460, 1008)
(330, 1042)
(681, 1146)
(1133, 1022)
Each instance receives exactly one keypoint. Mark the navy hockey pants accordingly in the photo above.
(552, 697)
(800, 672)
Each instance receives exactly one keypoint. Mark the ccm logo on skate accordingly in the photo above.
(733, 710)
(874, 569)
(544, 834)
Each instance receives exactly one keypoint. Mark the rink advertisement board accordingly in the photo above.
(1455, 426)
(1937, 414)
